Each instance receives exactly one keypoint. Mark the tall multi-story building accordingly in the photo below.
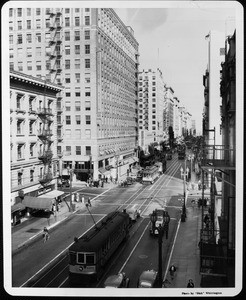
(151, 103)
(33, 142)
(193, 127)
(176, 123)
(218, 243)
(169, 108)
(216, 56)
(94, 55)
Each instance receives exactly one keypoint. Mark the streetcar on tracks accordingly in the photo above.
(181, 151)
(150, 174)
(89, 254)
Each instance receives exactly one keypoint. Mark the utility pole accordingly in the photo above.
(160, 229)
(71, 179)
(184, 174)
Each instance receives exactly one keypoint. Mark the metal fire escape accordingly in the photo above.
(45, 134)
(217, 239)
(146, 103)
(45, 113)
(214, 233)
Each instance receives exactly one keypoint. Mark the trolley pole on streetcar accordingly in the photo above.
(87, 206)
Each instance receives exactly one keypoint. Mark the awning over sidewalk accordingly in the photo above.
(132, 160)
(52, 194)
(17, 207)
(37, 203)
(104, 171)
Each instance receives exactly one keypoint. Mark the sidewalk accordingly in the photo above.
(32, 228)
(186, 253)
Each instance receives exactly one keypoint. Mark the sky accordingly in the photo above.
(171, 36)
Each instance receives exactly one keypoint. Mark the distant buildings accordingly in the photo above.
(95, 57)
(150, 106)
(159, 109)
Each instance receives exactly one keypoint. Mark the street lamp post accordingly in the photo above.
(71, 177)
(160, 229)
(117, 165)
(184, 174)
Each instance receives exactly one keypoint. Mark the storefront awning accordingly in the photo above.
(52, 194)
(104, 171)
(37, 203)
(17, 207)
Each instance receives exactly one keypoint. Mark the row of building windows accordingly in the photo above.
(38, 11)
(29, 24)
(78, 150)
(29, 176)
(141, 94)
(78, 106)
(28, 37)
(48, 66)
(33, 152)
(68, 119)
(20, 127)
(38, 39)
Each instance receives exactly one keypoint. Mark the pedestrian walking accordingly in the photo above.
(193, 202)
(53, 208)
(199, 185)
(89, 201)
(83, 199)
(77, 197)
(46, 235)
(172, 271)
(190, 284)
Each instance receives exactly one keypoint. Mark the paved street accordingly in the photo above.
(26, 238)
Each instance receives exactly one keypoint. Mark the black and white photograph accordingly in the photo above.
(122, 148)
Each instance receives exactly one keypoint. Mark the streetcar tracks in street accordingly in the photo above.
(137, 198)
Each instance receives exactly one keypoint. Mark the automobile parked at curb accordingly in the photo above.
(117, 281)
(148, 279)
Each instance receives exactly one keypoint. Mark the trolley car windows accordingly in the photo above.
(81, 258)
(90, 258)
(86, 258)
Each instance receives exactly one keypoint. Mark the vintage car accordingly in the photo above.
(133, 213)
(148, 279)
(117, 281)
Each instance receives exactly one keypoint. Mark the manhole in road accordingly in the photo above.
(143, 256)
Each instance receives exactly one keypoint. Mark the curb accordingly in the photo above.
(36, 236)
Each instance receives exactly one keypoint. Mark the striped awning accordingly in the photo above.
(17, 207)
(52, 194)
(104, 171)
(38, 203)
